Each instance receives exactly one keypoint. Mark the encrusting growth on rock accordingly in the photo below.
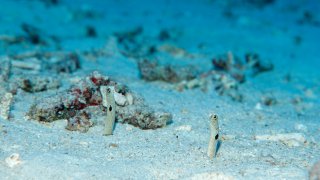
(83, 101)
(214, 136)
(107, 93)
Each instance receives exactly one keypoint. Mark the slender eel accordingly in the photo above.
(107, 93)
(214, 136)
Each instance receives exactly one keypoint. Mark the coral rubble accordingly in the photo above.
(229, 72)
(74, 105)
(238, 69)
(152, 71)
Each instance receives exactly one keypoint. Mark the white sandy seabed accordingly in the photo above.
(257, 141)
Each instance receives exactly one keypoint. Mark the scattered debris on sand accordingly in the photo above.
(175, 51)
(289, 139)
(228, 74)
(22, 71)
(134, 43)
(34, 84)
(238, 69)
(230, 71)
(269, 100)
(152, 70)
(34, 36)
(131, 43)
(55, 62)
(8, 40)
(226, 85)
(201, 83)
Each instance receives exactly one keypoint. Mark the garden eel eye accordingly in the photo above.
(216, 137)
(215, 116)
(110, 108)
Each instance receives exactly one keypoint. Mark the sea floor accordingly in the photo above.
(277, 138)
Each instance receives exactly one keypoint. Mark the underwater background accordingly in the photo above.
(170, 66)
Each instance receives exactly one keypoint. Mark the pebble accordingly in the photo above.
(184, 128)
(289, 139)
(13, 160)
(120, 99)
(129, 98)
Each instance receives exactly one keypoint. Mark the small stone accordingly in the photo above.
(269, 100)
(28, 64)
(13, 160)
(289, 139)
(34, 84)
(184, 111)
(193, 83)
(228, 137)
(113, 145)
(83, 143)
(120, 99)
(129, 98)
(184, 128)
